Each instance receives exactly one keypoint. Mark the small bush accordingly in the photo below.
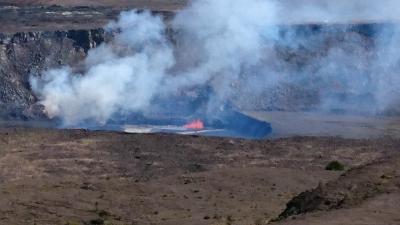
(335, 166)
(97, 221)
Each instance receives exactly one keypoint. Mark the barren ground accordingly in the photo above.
(80, 177)
(153, 4)
(50, 15)
(50, 177)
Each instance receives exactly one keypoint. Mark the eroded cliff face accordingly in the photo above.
(27, 53)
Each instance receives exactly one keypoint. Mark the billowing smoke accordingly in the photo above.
(122, 76)
(249, 52)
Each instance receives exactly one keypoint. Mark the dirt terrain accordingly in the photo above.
(24, 16)
(152, 4)
(81, 177)
(365, 195)
(54, 176)
(56, 18)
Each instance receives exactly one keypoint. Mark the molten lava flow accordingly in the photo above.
(195, 125)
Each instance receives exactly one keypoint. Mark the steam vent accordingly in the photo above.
(199, 112)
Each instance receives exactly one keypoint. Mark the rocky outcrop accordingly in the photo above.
(351, 189)
(25, 54)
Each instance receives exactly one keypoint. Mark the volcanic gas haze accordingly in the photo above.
(125, 75)
(244, 50)
(116, 79)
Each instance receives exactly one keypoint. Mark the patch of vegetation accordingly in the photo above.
(229, 220)
(101, 219)
(386, 176)
(103, 214)
(72, 223)
(98, 221)
(335, 166)
(195, 167)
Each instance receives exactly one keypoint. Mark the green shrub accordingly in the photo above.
(335, 166)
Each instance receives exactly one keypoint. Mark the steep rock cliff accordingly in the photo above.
(23, 54)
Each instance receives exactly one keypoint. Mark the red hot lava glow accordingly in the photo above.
(195, 125)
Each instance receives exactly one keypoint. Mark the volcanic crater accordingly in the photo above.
(274, 173)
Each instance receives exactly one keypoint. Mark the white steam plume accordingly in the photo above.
(115, 81)
(225, 37)
(242, 50)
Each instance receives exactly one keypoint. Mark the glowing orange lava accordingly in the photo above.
(195, 125)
